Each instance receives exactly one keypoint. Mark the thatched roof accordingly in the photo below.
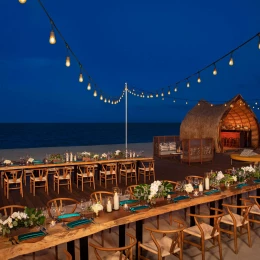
(207, 120)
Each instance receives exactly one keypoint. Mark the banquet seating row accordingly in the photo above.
(85, 174)
(170, 241)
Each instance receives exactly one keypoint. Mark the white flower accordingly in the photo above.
(15, 215)
(234, 178)
(96, 156)
(86, 153)
(188, 187)
(7, 161)
(220, 176)
(104, 155)
(30, 160)
(117, 152)
(96, 207)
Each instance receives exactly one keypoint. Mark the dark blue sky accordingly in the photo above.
(149, 44)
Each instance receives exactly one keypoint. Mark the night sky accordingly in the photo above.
(149, 44)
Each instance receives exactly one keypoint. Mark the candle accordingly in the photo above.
(125, 207)
(169, 196)
(67, 157)
(201, 187)
(207, 183)
(116, 201)
(71, 157)
(109, 206)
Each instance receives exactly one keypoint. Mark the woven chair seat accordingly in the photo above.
(228, 220)
(115, 256)
(61, 177)
(86, 174)
(165, 244)
(207, 229)
(107, 172)
(255, 210)
(14, 181)
(38, 179)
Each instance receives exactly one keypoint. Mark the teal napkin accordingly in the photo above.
(31, 235)
(183, 197)
(257, 181)
(78, 223)
(211, 192)
(123, 202)
(241, 185)
(171, 192)
(70, 215)
(133, 209)
(37, 162)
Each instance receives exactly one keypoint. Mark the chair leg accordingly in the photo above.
(235, 240)
(56, 252)
(220, 247)
(203, 249)
(249, 235)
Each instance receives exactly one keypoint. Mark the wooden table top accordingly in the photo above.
(238, 157)
(58, 234)
(77, 163)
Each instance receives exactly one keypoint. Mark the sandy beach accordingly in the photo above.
(40, 153)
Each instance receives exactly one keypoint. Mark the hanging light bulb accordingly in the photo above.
(225, 105)
(231, 61)
(256, 102)
(112, 102)
(67, 63)
(188, 83)
(186, 102)
(151, 96)
(52, 39)
(215, 72)
(95, 93)
(89, 86)
(169, 91)
(22, 1)
(157, 94)
(211, 105)
(101, 97)
(162, 93)
(148, 96)
(138, 95)
(174, 101)
(198, 104)
(105, 100)
(80, 77)
(108, 101)
(175, 89)
(259, 41)
(199, 79)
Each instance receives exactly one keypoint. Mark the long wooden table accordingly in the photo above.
(59, 235)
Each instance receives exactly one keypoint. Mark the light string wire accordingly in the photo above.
(145, 93)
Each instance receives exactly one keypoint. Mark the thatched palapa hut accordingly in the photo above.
(232, 124)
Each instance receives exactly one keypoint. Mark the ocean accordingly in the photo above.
(35, 135)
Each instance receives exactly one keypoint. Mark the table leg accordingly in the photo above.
(71, 248)
(138, 234)
(258, 194)
(192, 211)
(121, 235)
(74, 176)
(83, 245)
(239, 203)
(212, 204)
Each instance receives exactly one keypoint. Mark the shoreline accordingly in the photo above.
(40, 152)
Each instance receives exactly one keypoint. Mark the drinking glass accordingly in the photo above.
(127, 194)
(83, 206)
(178, 186)
(62, 210)
(196, 183)
(53, 211)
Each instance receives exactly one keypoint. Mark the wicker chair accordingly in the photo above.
(86, 172)
(13, 180)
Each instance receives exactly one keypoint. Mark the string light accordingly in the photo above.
(231, 61)
(176, 89)
(80, 74)
(22, 1)
(105, 100)
(169, 90)
(108, 101)
(199, 79)
(162, 93)
(157, 95)
(198, 104)
(67, 63)
(53, 41)
(186, 102)
(89, 86)
(215, 72)
(174, 101)
(95, 93)
(101, 97)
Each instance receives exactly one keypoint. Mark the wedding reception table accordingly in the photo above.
(58, 234)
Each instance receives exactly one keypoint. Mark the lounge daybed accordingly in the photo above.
(165, 146)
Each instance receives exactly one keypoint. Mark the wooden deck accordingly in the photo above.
(167, 169)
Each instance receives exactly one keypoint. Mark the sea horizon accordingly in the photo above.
(37, 135)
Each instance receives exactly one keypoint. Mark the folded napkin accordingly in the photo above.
(133, 209)
(241, 185)
(69, 215)
(123, 202)
(183, 197)
(171, 192)
(211, 192)
(257, 181)
(78, 223)
(37, 162)
(30, 160)
(31, 235)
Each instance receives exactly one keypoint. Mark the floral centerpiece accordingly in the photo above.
(96, 157)
(29, 218)
(118, 154)
(188, 188)
(55, 157)
(219, 177)
(157, 189)
(96, 207)
(85, 156)
(104, 156)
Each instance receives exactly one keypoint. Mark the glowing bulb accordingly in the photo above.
(151, 96)
(231, 61)
(198, 104)
(89, 86)
(147, 96)
(80, 77)
(157, 95)
(95, 93)
(162, 94)
(215, 72)
(175, 90)
(52, 39)
(211, 105)
(186, 102)
(112, 103)
(67, 61)
(173, 101)
(199, 79)
(169, 92)
(108, 101)
(101, 97)
(105, 100)
(22, 1)
(188, 84)
(225, 105)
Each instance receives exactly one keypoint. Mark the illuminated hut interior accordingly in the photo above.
(232, 125)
